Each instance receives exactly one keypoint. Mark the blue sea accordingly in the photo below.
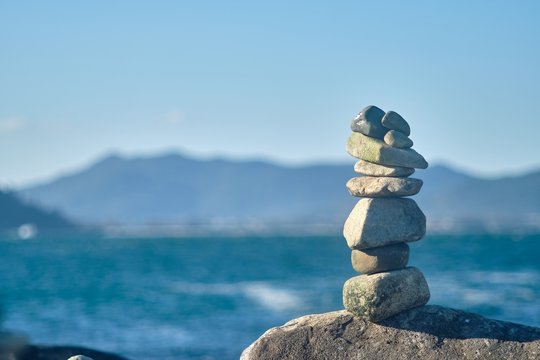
(209, 298)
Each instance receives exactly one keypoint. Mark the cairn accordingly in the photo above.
(383, 221)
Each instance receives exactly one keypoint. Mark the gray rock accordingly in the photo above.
(382, 295)
(376, 151)
(423, 333)
(370, 169)
(399, 140)
(371, 261)
(380, 222)
(373, 186)
(393, 121)
(80, 357)
(368, 122)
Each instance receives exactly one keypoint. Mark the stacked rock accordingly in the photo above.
(383, 221)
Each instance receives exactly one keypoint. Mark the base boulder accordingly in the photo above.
(427, 333)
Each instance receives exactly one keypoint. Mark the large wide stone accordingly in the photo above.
(393, 121)
(424, 333)
(382, 295)
(376, 151)
(368, 122)
(373, 186)
(396, 139)
(380, 222)
(371, 261)
(370, 169)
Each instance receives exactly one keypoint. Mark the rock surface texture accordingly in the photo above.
(382, 221)
(385, 294)
(423, 333)
(371, 261)
(372, 186)
(371, 169)
(377, 151)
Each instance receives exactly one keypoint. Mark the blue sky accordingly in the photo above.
(274, 79)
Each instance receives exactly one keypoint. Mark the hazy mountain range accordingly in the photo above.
(176, 189)
(15, 213)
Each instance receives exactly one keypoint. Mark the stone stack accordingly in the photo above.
(383, 221)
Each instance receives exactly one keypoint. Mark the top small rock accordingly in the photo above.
(393, 121)
(369, 122)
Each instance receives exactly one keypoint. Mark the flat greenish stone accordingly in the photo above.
(375, 222)
(380, 296)
(375, 260)
(370, 169)
(376, 151)
(393, 121)
(399, 140)
(368, 122)
(374, 186)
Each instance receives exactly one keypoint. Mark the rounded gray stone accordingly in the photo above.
(370, 169)
(378, 152)
(376, 222)
(371, 261)
(368, 122)
(373, 186)
(399, 140)
(80, 357)
(393, 121)
(382, 295)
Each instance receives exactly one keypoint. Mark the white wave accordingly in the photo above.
(272, 298)
(511, 277)
(264, 294)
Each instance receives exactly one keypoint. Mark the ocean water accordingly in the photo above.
(209, 298)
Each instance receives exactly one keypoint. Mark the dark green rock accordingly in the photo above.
(393, 121)
(368, 122)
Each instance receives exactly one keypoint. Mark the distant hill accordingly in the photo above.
(15, 213)
(176, 189)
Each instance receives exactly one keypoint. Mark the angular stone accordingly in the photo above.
(376, 151)
(393, 121)
(380, 222)
(370, 169)
(380, 296)
(373, 186)
(368, 122)
(371, 261)
(399, 140)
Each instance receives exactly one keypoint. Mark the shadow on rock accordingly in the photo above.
(456, 324)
